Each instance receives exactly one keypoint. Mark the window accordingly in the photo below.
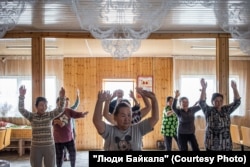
(9, 92)
(190, 87)
(125, 84)
(51, 92)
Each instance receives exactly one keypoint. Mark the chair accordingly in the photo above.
(2, 136)
(245, 131)
(235, 135)
(200, 134)
(7, 137)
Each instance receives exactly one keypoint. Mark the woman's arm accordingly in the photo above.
(203, 90)
(61, 107)
(76, 114)
(107, 115)
(235, 90)
(155, 109)
(230, 108)
(97, 117)
(144, 111)
(203, 96)
(77, 102)
(174, 105)
(21, 108)
(15, 120)
(137, 104)
(168, 113)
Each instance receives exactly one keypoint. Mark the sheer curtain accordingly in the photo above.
(241, 68)
(15, 71)
(207, 67)
(53, 79)
(194, 69)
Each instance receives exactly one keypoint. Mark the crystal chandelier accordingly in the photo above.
(191, 3)
(121, 48)
(245, 46)
(235, 20)
(10, 10)
(115, 20)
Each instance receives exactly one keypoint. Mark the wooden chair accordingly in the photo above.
(7, 137)
(2, 136)
(235, 135)
(245, 131)
(200, 134)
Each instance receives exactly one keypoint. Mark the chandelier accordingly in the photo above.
(121, 48)
(192, 3)
(235, 20)
(115, 20)
(10, 10)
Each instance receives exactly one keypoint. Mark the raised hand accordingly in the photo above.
(114, 94)
(131, 94)
(148, 94)
(77, 92)
(108, 96)
(102, 95)
(22, 90)
(233, 84)
(139, 89)
(177, 93)
(203, 83)
(62, 92)
(84, 113)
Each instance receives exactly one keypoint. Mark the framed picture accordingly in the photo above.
(145, 82)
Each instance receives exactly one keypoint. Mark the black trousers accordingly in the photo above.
(168, 142)
(184, 139)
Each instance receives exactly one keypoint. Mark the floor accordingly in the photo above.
(82, 158)
(23, 161)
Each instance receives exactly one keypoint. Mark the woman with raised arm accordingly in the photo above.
(186, 127)
(42, 143)
(169, 124)
(217, 136)
(118, 94)
(136, 115)
(123, 136)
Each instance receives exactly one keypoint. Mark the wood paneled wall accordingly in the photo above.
(87, 74)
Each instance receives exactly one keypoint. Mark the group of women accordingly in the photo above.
(178, 121)
(127, 128)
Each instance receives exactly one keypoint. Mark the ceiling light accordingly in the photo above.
(28, 47)
(121, 20)
(213, 47)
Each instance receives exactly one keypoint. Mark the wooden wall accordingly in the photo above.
(87, 75)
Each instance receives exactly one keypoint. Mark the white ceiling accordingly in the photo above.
(58, 16)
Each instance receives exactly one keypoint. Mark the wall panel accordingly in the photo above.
(87, 75)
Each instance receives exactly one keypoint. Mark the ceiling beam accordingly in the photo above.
(86, 35)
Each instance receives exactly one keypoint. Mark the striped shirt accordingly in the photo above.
(41, 124)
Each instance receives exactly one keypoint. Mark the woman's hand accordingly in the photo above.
(62, 92)
(203, 84)
(233, 84)
(177, 94)
(22, 90)
(102, 96)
